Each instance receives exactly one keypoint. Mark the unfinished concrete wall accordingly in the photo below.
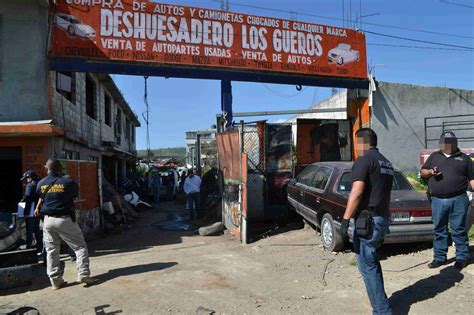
(85, 131)
(398, 114)
(23, 76)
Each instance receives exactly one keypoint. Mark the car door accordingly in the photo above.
(340, 193)
(314, 198)
(302, 181)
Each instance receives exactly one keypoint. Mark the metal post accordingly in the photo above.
(198, 154)
(226, 103)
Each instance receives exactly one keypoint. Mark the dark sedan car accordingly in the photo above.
(320, 192)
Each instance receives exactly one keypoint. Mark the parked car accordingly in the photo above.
(73, 26)
(320, 193)
(343, 54)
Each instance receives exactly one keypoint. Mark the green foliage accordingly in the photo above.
(418, 183)
(471, 233)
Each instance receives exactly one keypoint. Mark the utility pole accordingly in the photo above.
(147, 120)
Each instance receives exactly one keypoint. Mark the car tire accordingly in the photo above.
(70, 30)
(330, 237)
(341, 62)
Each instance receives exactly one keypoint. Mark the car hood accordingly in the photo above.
(85, 28)
(408, 199)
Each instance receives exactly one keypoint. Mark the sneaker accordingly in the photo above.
(72, 258)
(459, 265)
(87, 280)
(58, 284)
(436, 264)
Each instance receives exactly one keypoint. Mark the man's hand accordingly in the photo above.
(427, 173)
(37, 213)
(344, 227)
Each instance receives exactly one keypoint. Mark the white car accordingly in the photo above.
(73, 26)
(343, 54)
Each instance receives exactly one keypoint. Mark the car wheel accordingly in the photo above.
(70, 30)
(341, 61)
(330, 237)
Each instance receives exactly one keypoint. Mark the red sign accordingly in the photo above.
(149, 32)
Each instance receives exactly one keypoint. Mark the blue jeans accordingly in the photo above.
(452, 211)
(369, 265)
(194, 203)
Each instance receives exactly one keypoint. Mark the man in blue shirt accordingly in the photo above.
(156, 186)
(31, 223)
(56, 203)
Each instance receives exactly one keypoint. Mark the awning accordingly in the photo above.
(38, 128)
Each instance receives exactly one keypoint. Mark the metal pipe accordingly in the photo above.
(291, 112)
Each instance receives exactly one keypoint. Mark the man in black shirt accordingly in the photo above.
(449, 172)
(372, 176)
(57, 205)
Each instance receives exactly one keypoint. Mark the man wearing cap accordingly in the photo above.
(449, 172)
(31, 223)
(56, 204)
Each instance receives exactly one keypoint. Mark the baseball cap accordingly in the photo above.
(448, 136)
(27, 174)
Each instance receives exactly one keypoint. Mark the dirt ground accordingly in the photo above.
(147, 270)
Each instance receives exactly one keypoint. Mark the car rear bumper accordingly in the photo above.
(407, 233)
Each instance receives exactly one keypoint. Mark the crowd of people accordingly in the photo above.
(449, 173)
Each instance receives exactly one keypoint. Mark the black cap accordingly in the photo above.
(448, 136)
(27, 174)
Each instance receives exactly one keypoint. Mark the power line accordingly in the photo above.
(418, 40)
(339, 19)
(419, 47)
(458, 4)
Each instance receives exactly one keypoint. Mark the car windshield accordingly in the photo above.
(399, 182)
(73, 20)
(344, 46)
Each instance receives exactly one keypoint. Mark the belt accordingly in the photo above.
(447, 196)
(58, 215)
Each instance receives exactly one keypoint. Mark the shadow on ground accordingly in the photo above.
(145, 234)
(390, 250)
(131, 270)
(258, 231)
(424, 289)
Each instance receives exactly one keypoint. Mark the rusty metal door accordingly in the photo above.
(230, 167)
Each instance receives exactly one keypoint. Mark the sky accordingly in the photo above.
(179, 105)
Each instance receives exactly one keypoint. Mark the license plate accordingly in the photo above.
(401, 217)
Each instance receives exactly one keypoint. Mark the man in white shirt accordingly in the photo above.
(192, 188)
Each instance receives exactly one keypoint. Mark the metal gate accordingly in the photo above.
(231, 163)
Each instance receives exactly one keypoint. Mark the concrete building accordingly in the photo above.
(207, 136)
(407, 118)
(71, 116)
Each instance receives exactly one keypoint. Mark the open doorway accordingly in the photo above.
(11, 190)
